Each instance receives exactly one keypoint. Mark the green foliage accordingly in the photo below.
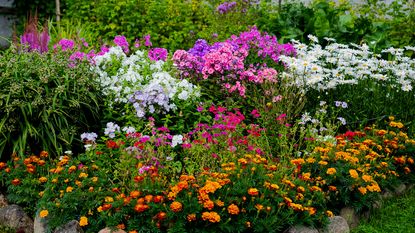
(44, 101)
(379, 25)
(173, 24)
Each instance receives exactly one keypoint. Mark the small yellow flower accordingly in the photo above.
(94, 179)
(367, 178)
(55, 181)
(83, 221)
(69, 189)
(83, 175)
(43, 179)
(329, 213)
(253, 191)
(331, 171)
(43, 213)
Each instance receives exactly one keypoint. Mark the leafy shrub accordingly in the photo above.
(173, 24)
(44, 101)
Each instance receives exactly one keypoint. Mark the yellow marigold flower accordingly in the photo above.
(391, 118)
(191, 217)
(311, 160)
(233, 209)
(331, 171)
(55, 181)
(362, 190)
(83, 175)
(176, 206)
(253, 191)
(69, 189)
(311, 210)
(109, 199)
(323, 163)
(83, 221)
(367, 178)
(373, 188)
(329, 213)
(353, 173)
(99, 209)
(300, 189)
(243, 161)
(296, 207)
(72, 168)
(43, 179)
(306, 176)
(94, 179)
(211, 216)
(43, 213)
(41, 194)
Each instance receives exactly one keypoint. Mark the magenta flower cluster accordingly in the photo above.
(156, 54)
(35, 40)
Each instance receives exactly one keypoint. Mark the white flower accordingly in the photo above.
(177, 139)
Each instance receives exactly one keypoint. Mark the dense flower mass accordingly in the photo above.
(146, 85)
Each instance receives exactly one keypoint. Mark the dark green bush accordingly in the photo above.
(44, 103)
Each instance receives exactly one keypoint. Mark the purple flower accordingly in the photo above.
(157, 54)
(225, 7)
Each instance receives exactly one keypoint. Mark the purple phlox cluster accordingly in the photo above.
(340, 104)
(200, 48)
(35, 40)
(122, 42)
(90, 137)
(225, 7)
(156, 54)
(111, 129)
(65, 44)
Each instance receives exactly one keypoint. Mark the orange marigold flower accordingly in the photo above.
(161, 216)
(362, 190)
(2, 165)
(176, 206)
(148, 198)
(83, 175)
(182, 185)
(233, 209)
(16, 182)
(43, 213)
(134, 231)
(121, 226)
(297, 161)
(323, 163)
(83, 221)
(191, 217)
(300, 189)
(332, 188)
(329, 214)
(135, 194)
(211, 216)
(259, 207)
(410, 160)
(69, 189)
(331, 171)
(141, 207)
(220, 203)
(353, 173)
(407, 170)
(44, 154)
(158, 199)
(208, 204)
(253, 192)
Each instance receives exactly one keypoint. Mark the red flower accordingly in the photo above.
(111, 144)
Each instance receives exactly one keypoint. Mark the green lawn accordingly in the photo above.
(397, 215)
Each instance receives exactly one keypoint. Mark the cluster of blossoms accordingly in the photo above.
(35, 40)
(145, 83)
(320, 68)
(229, 61)
(225, 7)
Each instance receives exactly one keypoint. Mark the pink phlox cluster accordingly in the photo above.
(122, 42)
(64, 44)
